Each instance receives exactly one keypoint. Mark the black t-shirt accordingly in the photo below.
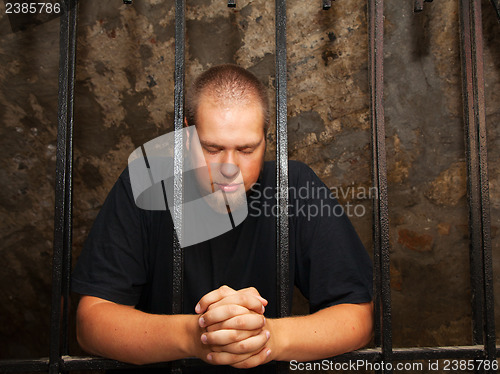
(127, 256)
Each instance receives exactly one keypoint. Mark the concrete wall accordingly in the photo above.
(124, 97)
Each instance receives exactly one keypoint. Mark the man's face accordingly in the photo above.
(233, 143)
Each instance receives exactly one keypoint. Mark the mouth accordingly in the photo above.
(228, 187)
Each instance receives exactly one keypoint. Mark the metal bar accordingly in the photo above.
(68, 215)
(282, 244)
(63, 183)
(282, 162)
(482, 153)
(71, 363)
(481, 271)
(383, 323)
(400, 354)
(178, 258)
(17, 366)
(476, 271)
(180, 26)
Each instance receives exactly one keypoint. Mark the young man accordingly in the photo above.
(229, 301)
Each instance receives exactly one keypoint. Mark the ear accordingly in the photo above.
(186, 122)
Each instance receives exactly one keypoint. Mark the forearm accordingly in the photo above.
(126, 334)
(326, 333)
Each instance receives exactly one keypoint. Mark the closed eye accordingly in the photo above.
(212, 151)
(247, 151)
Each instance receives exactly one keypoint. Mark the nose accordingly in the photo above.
(229, 171)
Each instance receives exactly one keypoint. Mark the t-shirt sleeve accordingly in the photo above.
(332, 265)
(112, 264)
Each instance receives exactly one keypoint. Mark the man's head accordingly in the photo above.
(226, 84)
(228, 106)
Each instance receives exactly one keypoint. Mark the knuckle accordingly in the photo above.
(239, 335)
(239, 322)
(233, 309)
(234, 335)
(242, 346)
(207, 317)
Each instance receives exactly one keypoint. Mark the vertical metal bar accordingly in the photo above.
(68, 230)
(178, 260)
(477, 182)
(282, 248)
(282, 161)
(180, 26)
(63, 181)
(376, 213)
(380, 203)
(472, 171)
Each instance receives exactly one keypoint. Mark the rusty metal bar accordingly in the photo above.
(178, 258)
(282, 162)
(282, 242)
(63, 191)
(180, 27)
(72, 363)
(481, 271)
(68, 219)
(383, 324)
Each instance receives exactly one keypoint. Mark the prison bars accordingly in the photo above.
(481, 271)
(381, 259)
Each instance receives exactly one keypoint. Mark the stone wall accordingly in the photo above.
(124, 97)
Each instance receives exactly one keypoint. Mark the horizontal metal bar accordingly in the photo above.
(17, 366)
(69, 363)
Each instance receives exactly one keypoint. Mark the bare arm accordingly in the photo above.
(123, 333)
(326, 333)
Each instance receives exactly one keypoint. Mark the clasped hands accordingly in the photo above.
(233, 329)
